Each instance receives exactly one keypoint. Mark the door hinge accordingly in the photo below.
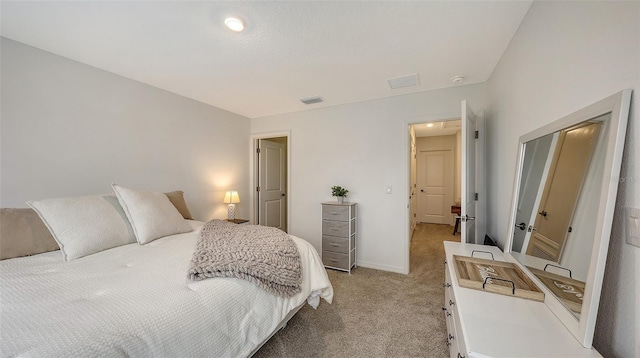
(475, 197)
(476, 134)
(257, 188)
(258, 150)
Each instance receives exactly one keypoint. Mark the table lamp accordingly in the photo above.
(231, 198)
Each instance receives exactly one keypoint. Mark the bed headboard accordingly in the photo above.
(22, 233)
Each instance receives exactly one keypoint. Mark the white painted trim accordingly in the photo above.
(406, 152)
(253, 138)
(481, 179)
(382, 267)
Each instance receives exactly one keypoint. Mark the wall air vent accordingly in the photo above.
(311, 100)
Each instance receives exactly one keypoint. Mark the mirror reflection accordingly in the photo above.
(557, 207)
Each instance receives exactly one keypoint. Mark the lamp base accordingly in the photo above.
(231, 211)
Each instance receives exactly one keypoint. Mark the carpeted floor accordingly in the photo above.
(376, 313)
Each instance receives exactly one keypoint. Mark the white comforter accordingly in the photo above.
(136, 301)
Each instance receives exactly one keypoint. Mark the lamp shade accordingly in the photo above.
(231, 197)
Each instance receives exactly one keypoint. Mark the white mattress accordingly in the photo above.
(136, 301)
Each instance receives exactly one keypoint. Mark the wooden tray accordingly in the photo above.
(501, 277)
(568, 290)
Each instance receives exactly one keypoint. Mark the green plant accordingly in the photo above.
(337, 190)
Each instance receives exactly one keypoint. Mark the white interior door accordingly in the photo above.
(272, 184)
(468, 204)
(535, 166)
(435, 184)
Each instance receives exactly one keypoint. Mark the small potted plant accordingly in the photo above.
(339, 192)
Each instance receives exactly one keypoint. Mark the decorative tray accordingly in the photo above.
(568, 290)
(500, 277)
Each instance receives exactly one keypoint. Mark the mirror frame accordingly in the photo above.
(618, 105)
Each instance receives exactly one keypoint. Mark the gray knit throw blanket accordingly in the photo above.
(263, 255)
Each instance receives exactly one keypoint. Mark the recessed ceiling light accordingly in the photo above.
(234, 23)
(429, 125)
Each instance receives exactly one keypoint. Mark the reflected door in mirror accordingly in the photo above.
(569, 166)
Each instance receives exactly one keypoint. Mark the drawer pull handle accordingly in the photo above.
(334, 245)
(450, 336)
(448, 344)
(334, 228)
(451, 303)
(445, 262)
(334, 213)
(333, 260)
(460, 355)
(448, 314)
(444, 308)
(446, 285)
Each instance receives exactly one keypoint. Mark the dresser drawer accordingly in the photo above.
(455, 338)
(338, 260)
(337, 244)
(336, 212)
(338, 228)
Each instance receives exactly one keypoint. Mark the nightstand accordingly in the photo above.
(237, 221)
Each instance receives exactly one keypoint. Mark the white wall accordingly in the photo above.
(69, 129)
(364, 147)
(565, 56)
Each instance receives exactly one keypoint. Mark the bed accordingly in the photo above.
(135, 300)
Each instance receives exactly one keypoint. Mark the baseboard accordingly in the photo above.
(382, 267)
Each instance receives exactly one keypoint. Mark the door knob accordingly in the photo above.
(422, 190)
(521, 226)
(543, 213)
(283, 194)
(532, 228)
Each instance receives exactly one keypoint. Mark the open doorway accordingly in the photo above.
(270, 163)
(435, 174)
(460, 209)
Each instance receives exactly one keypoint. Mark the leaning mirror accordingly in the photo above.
(562, 210)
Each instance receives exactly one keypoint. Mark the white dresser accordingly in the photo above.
(339, 235)
(484, 324)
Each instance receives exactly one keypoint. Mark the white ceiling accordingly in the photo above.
(437, 128)
(341, 51)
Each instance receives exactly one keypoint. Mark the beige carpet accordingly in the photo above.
(376, 313)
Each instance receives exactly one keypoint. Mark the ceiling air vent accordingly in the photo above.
(311, 100)
(403, 81)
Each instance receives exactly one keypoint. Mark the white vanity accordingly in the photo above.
(484, 324)
(561, 215)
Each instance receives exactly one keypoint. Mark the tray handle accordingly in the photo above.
(513, 285)
(486, 252)
(560, 267)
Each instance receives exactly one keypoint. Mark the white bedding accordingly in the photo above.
(135, 301)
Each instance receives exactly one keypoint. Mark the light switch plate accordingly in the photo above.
(632, 223)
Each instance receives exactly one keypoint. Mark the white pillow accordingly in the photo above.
(85, 225)
(151, 215)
